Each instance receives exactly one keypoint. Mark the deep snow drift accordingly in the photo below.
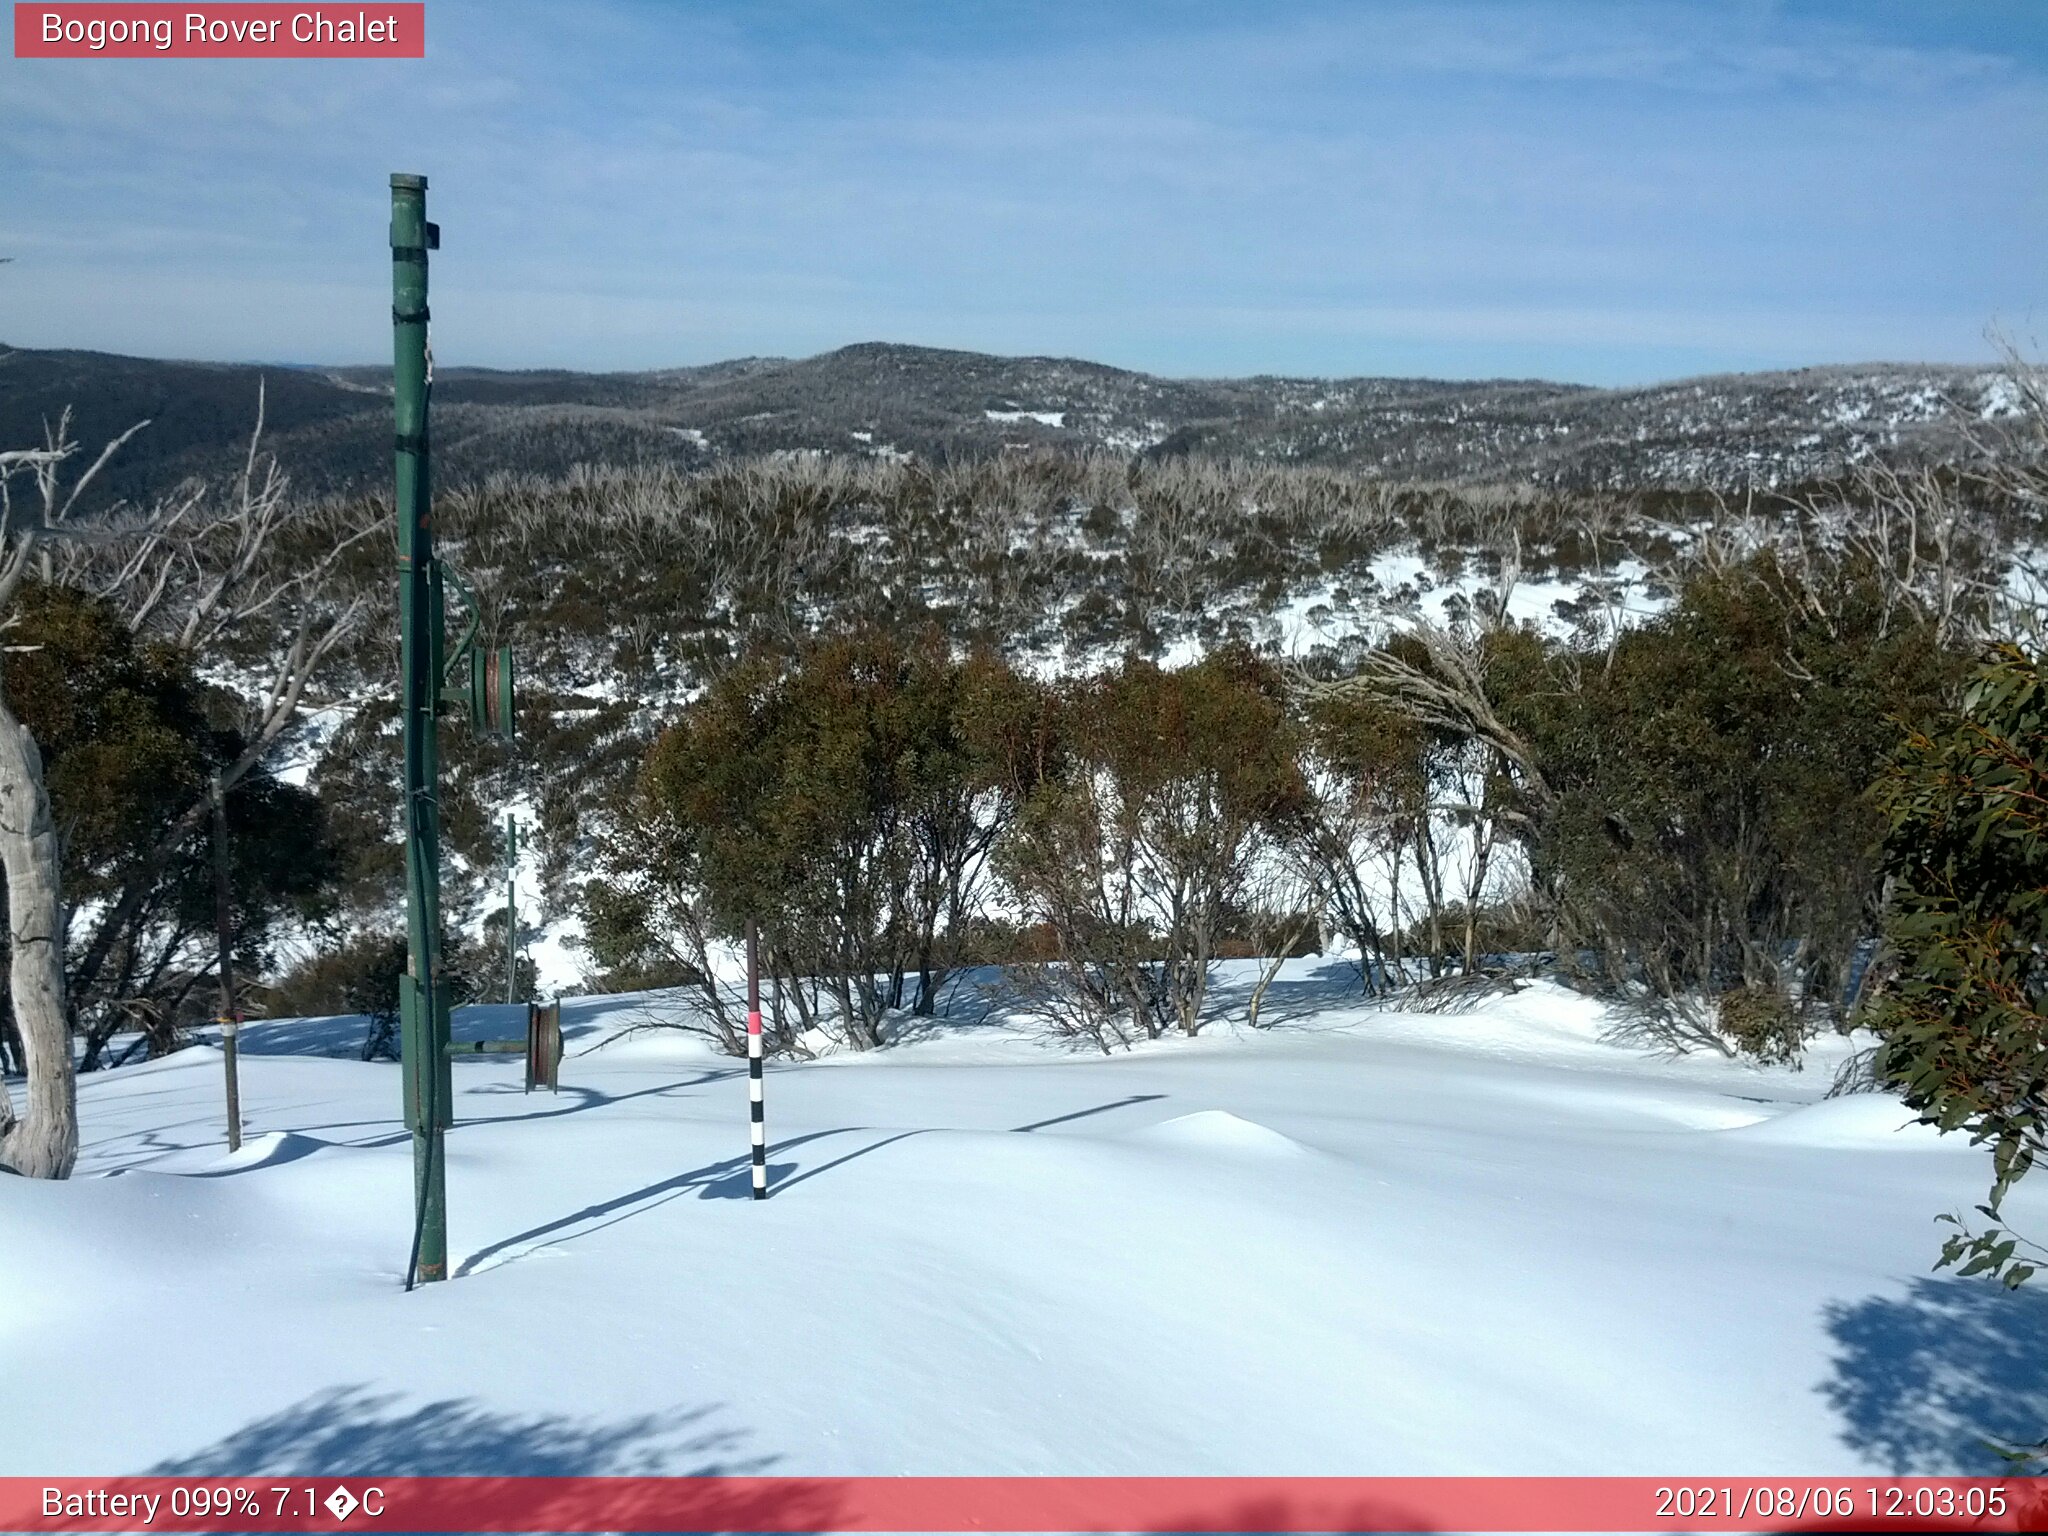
(1359, 1242)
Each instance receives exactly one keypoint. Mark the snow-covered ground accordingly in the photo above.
(1358, 1242)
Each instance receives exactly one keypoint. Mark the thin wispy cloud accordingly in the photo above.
(1594, 191)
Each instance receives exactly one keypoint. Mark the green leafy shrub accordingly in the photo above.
(1965, 1017)
(1763, 1024)
(360, 976)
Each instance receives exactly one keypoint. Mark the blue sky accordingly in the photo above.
(1610, 193)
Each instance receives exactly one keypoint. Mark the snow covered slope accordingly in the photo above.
(1359, 1242)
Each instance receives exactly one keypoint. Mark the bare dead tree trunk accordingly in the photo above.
(1429, 866)
(223, 927)
(42, 1140)
(1400, 971)
(1448, 692)
(1484, 830)
(177, 573)
(1285, 936)
(42, 1143)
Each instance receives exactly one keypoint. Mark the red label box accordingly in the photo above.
(986, 1505)
(361, 30)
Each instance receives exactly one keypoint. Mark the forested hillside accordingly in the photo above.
(1630, 728)
(328, 426)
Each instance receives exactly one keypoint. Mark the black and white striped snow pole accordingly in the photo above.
(756, 1110)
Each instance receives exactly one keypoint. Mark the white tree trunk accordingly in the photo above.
(43, 1142)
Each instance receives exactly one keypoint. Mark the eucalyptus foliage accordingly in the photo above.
(1966, 1016)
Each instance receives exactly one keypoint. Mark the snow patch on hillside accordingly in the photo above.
(1043, 418)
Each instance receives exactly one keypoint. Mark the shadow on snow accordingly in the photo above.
(731, 1179)
(1924, 1381)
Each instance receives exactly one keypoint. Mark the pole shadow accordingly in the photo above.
(1082, 1114)
(729, 1178)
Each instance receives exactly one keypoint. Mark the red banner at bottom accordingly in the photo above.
(920, 1504)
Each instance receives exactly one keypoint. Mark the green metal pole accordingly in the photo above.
(423, 1004)
(511, 909)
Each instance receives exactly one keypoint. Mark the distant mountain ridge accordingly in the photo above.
(331, 429)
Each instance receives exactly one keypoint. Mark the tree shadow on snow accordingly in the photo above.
(592, 1098)
(1294, 999)
(141, 1148)
(352, 1431)
(1924, 1381)
(581, 1100)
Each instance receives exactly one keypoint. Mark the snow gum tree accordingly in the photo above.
(1965, 1016)
(847, 801)
(192, 578)
(1688, 802)
(1366, 800)
(1712, 834)
(128, 736)
(1135, 854)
